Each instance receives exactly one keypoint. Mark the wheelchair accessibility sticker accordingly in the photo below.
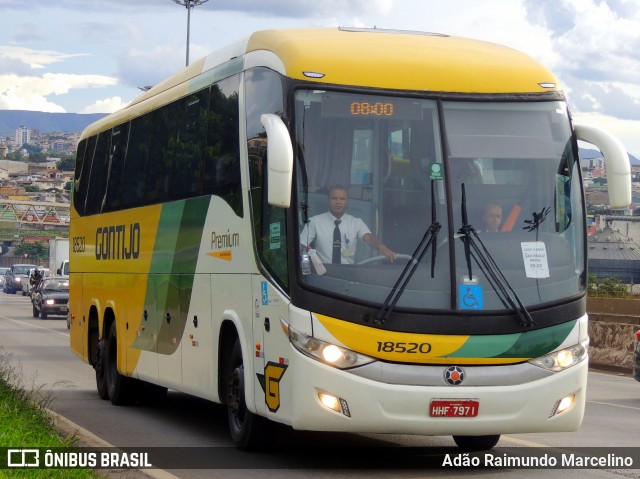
(470, 296)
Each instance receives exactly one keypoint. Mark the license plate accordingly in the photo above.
(454, 408)
(63, 309)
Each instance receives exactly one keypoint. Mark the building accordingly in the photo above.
(613, 255)
(23, 136)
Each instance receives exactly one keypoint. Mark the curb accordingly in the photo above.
(86, 438)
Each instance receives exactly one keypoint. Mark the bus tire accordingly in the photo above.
(476, 443)
(248, 431)
(100, 367)
(121, 389)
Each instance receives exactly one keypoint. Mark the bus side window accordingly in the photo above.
(136, 162)
(119, 140)
(222, 152)
(162, 144)
(79, 193)
(190, 145)
(99, 168)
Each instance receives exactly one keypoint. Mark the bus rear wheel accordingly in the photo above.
(248, 431)
(121, 389)
(476, 443)
(100, 367)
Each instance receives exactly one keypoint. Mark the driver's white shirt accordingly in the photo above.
(319, 230)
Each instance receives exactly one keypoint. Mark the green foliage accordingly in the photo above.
(16, 156)
(31, 188)
(36, 154)
(66, 164)
(606, 287)
(600, 181)
(36, 250)
(24, 422)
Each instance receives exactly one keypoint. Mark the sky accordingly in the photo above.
(91, 56)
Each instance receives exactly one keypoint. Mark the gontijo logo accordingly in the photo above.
(118, 242)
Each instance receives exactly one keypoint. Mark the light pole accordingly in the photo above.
(189, 4)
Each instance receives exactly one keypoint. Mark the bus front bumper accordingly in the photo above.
(367, 406)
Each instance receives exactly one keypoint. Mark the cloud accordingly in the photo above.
(108, 105)
(133, 66)
(32, 92)
(33, 58)
(596, 44)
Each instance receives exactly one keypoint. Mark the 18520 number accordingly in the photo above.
(408, 348)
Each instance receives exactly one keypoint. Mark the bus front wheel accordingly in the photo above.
(476, 443)
(248, 431)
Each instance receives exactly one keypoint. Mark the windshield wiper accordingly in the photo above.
(429, 237)
(474, 247)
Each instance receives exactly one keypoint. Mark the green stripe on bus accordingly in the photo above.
(531, 344)
(174, 291)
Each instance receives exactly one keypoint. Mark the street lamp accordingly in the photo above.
(189, 4)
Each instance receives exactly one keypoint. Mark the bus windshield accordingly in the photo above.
(505, 173)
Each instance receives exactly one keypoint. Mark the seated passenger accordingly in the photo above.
(492, 217)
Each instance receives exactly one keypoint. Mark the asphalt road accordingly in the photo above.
(39, 352)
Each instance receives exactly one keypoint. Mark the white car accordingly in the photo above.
(3, 270)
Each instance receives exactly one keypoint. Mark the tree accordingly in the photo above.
(35, 153)
(606, 287)
(37, 250)
(600, 181)
(66, 164)
(16, 156)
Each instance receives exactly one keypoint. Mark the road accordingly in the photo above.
(39, 351)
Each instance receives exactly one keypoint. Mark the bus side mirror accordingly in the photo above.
(616, 162)
(279, 161)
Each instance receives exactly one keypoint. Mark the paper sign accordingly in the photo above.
(534, 254)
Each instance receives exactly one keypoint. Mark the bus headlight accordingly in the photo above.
(563, 359)
(328, 353)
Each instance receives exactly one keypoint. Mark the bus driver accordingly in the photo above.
(334, 234)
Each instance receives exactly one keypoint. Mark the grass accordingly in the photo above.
(25, 423)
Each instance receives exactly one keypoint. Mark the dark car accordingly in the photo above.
(51, 296)
(636, 366)
(15, 276)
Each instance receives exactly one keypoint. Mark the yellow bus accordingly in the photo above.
(197, 257)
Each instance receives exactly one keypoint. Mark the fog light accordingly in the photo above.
(330, 402)
(334, 403)
(563, 404)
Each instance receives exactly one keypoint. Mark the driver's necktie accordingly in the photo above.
(337, 244)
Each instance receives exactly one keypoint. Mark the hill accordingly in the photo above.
(587, 153)
(10, 120)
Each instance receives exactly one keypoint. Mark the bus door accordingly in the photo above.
(271, 347)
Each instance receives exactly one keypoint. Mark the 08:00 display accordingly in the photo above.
(366, 108)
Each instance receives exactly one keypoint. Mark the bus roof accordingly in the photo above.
(376, 58)
(403, 60)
